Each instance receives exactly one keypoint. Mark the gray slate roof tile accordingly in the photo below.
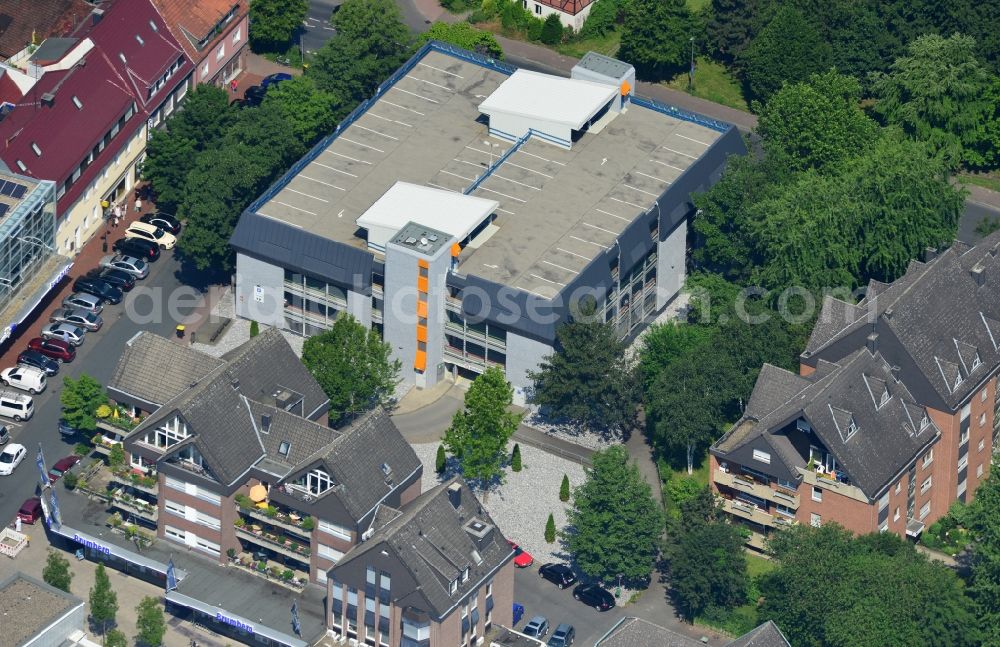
(155, 369)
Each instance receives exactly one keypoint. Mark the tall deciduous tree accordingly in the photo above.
(732, 25)
(656, 37)
(371, 43)
(879, 591)
(103, 599)
(479, 432)
(115, 638)
(56, 572)
(942, 94)
(788, 49)
(353, 365)
(310, 112)
(273, 23)
(79, 399)
(588, 380)
(149, 622)
(614, 523)
(983, 519)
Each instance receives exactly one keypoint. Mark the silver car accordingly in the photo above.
(83, 301)
(64, 332)
(134, 266)
(79, 318)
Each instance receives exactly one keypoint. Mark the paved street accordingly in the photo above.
(96, 357)
(316, 27)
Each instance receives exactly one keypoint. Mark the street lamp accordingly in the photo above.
(691, 73)
(491, 146)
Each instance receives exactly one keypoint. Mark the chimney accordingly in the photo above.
(872, 343)
(979, 274)
(930, 253)
(265, 422)
(48, 99)
(455, 494)
(97, 15)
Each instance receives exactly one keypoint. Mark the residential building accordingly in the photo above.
(893, 415)
(27, 22)
(38, 615)
(637, 632)
(81, 108)
(572, 13)
(29, 264)
(434, 572)
(241, 463)
(213, 33)
(466, 209)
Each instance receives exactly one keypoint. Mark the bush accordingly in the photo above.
(81, 449)
(231, 553)
(564, 489)
(515, 458)
(534, 30)
(254, 329)
(550, 529)
(308, 523)
(103, 411)
(116, 457)
(70, 479)
(552, 30)
(287, 575)
(441, 460)
(604, 18)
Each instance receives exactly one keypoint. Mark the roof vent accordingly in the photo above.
(386, 469)
(424, 241)
(48, 99)
(235, 384)
(139, 39)
(121, 55)
(265, 422)
(152, 25)
(477, 527)
(979, 274)
(455, 494)
(410, 240)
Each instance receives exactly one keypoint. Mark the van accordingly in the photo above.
(16, 405)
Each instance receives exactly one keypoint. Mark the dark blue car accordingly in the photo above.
(274, 79)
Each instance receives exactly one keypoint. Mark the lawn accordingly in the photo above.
(986, 181)
(607, 45)
(698, 5)
(757, 565)
(712, 81)
(743, 618)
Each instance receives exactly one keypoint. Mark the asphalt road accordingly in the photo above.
(316, 29)
(97, 357)
(541, 597)
(975, 212)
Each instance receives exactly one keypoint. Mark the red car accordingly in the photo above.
(54, 348)
(30, 510)
(62, 466)
(522, 558)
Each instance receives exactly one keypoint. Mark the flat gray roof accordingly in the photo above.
(28, 606)
(558, 208)
(604, 65)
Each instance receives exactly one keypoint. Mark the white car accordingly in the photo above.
(134, 266)
(150, 234)
(64, 332)
(26, 378)
(11, 457)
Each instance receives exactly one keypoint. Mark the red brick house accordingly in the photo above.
(214, 33)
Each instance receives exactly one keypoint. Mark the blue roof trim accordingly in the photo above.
(678, 113)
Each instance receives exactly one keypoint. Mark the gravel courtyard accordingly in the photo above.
(521, 506)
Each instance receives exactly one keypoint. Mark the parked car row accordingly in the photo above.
(593, 595)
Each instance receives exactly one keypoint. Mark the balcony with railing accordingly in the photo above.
(750, 485)
(277, 518)
(748, 511)
(830, 481)
(255, 534)
(134, 506)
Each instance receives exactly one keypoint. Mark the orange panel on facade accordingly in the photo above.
(421, 333)
(421, 308)
(422, 284)
(456, 249)
(420, 361)
(422, 263)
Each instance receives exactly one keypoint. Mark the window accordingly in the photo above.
(174, 533)
(895, 516)
(122, 57)
(982, 396)
(336, 530)
(284, 448)
(815, 520)
(21, 165)
(929, 457)
(204, 70)
(538, 9)
(763, 457)
(926, 485)
(977, 362)
(883, 501)
(788, 485)
(979, 470)
(315, 482)
(465, 575)
(330, 553)
(237, 35)
(219, 53)
(139, 39)
(207, 520)
(964, 438)
(36, 149)
(453, 586)
(899, 486)
(884, 527)
(982, 419)
(171, 433)
(965, 411)
(963, 462)
(982, 444)
(784, 510)
(152, 25)
(817, 494)
(174, 508)
(924, 511)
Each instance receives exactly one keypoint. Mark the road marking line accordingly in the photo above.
(292, 206)
(461, 177)
(566, 251)
(632, 204)
(312, 179)
(690, 139)
(495, 155)
(589, 242)
(505, 211)
(510, 163)
(348, 157)
(438, 186)
(333, 168)
(542, 158)
(440, 70)
(436, 85)
(276, 219)
(635, 188)
(390, 103)
(478, 166)
(497, 175)
(419, 96)
(608, 213)
(483, 188)
(306, 194)
(607, 231)
(542, 278)
(561, 267)
(651, 177)
(676, 168)
(537, 294)
(679, 152)
(372, 130)
(345, 139)
(392, 121)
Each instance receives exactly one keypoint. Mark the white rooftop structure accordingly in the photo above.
(547, 104)
(449, 212)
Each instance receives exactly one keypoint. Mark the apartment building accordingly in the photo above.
(893, 415)
(467, 208)
(241, 462)
(213, 33)
(435, 572)
(78, 110)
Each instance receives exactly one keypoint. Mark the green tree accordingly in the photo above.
(310, 112)
(614, 523)
(731, 26)
(878, 577)
(273, 23)
(464, 35)
(564, 489)
(371, 43)
(115, 638)
(149, 622)
(353, 365)
(788, 49)
(942, 94)
(982, 518)
(440, 460)
(56, 572)
(707, 560)
(79, 399)
(816, 122)
(479, 432)
(116, 457)
(604, 17)
(103, 599)
(552, 30)
(664, 343)
(550, 529)
(588, 380)
(515, 458)
(655, 37)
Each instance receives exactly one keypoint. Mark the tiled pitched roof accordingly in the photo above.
(637, 632)
(430, 541)
(156, 370)
(192, 20)
(766, 635)
(22, 19)
(572, 7)
(932, 322)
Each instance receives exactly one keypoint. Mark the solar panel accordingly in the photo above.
(4, 187)
(19, 191)
(3, 210)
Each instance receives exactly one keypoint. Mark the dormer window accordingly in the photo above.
(315, 482)
(852, 428)
(21, 166)
(976, 363)
(453, 587)
(465, 575)
(924, 422)
(885, 397)
(958, 380)
(152, 25)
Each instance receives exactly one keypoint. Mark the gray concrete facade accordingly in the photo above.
(523, 355)
(260, 294)
(671, 272)
(359, 306)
